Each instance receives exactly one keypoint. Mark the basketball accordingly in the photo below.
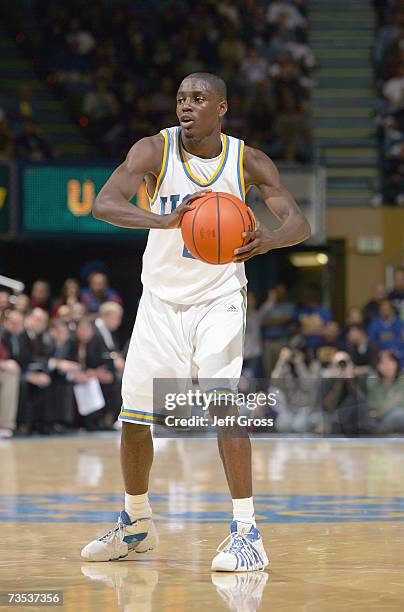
(214, 228)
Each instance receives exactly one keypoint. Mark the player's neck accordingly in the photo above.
(207, 147)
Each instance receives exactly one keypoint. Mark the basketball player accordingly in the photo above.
(190, 311)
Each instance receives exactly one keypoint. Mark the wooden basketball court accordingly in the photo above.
(331, 513)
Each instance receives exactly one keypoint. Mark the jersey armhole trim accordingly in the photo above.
(163, 170)
(240, 169)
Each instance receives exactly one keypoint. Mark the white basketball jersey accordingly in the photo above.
(169, 270)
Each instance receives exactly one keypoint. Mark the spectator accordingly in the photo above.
(329, 344)
(396, 295)
(298, 378)
(7, 137)
(9, 391)
(100, 105)
(277, 315)
(371, 308)
(361, 350)
(4, 302)
(108, 322)
(62, 369)
(30, 354)
(22, 303)
(387, 330)
(26, 107)
(253, 342)
(69, 294)
(343, 398)
(385, 394)
(30, 144)
(311, 317)
(82, 40)
(93, 363)
(98, 292)
(294, 19)
(41, 295)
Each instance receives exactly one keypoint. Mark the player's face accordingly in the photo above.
(199, 109)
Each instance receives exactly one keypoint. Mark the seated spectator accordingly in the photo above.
(22, 303)
(385, 393)
(82, 40)
(100, 105)
(329, 344)
(41, 295)
(371, 308)
(31, 144)
(9, 391)
(298, 377)
(87, 351)
(312, 317)
(62, 369)
(343, 398)
(294, 19)
(69, 294)
(5, 303)
(396, 295)
(387, 330)
(7, 137)
(26, 108)
(293, 128)
(32, 357)
(354, 316)
(253, 68)
(98, 292)
(252, 340)
(107, 323)
(277, 314)
(361, 350)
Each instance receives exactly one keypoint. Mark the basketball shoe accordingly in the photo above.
(126, 537)
(241, 551)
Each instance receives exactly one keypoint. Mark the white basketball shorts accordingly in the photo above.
(171, 340)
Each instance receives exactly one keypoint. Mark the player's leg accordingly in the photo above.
(154, 352)
(219, 341)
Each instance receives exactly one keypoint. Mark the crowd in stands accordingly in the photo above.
(61, 360)
(389, 69)
(119, 66)
(327, 378)
(20, 135)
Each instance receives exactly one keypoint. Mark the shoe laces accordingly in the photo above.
(234, 542)
(118, 530)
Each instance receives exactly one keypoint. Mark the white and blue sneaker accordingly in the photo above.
(126, 537)
(241, 551)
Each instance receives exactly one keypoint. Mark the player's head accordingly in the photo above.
(201, 104)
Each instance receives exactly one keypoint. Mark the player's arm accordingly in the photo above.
(113, 205)
(259, 170)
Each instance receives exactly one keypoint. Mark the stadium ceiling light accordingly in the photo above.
(308, 260)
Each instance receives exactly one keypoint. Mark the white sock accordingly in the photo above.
(137, 506)
(243, 510)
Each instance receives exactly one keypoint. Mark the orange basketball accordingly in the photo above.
(214, 228)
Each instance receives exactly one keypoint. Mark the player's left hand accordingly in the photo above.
(260, 242)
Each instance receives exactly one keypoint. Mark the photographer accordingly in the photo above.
(344, 398)
(298, 378)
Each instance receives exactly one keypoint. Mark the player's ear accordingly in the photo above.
(222, 108)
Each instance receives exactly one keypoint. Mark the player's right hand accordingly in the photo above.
(173, 220)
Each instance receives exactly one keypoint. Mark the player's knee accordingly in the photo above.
(130, 430)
